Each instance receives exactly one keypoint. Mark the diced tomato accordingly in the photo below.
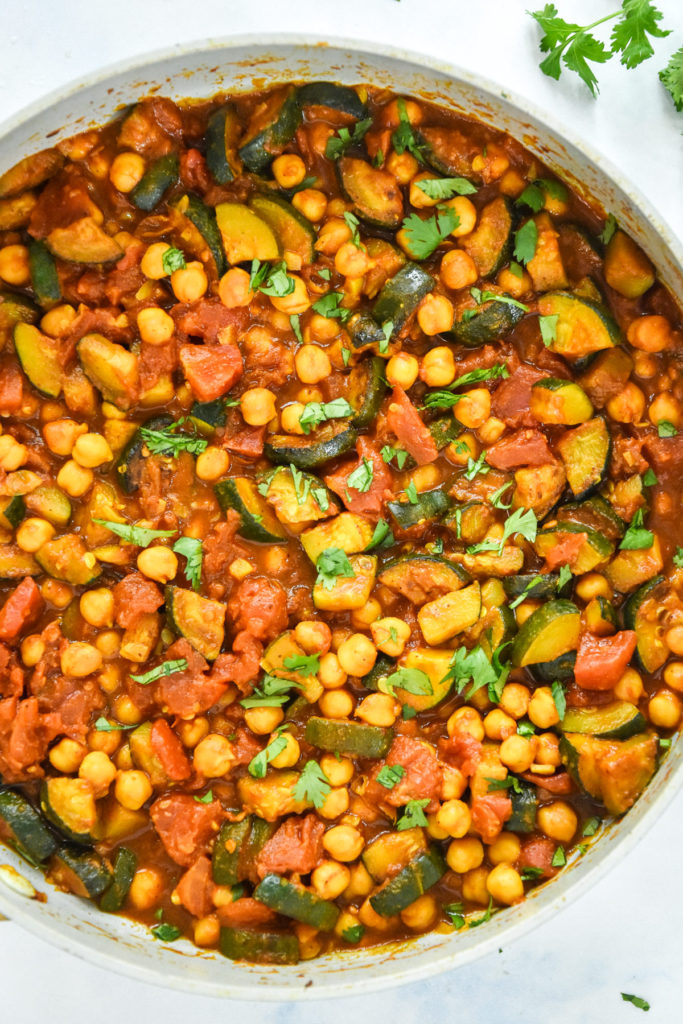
(423, 775)
(295, 847)
(210, 320)
(190, 692)
(134, 597)
(155, 361)
(23, 739)
(602, 660)
(463, 751)
(489, 814)
(247, 443)
(370, 500)
(241, 665)
(185, 826)
(405, 421)
(245, 913)
(11, 386)
(538, 853)
(169, 750)
(566, 551)
(523, 448)
(259, 606)
(11, 673)
(245, 746)
(560, 784)
(211, 370)
(512, 398)
(196, 887)
(193, 172)
(21, 609)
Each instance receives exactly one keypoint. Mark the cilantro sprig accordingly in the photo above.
(167, 668)
(167, 441)
(271, 279)
(425, 235)
(413, 815)
(271, 692)
(446, 188)
(637, 537)
(338, 144)
(312, 785)
(141, 536)
(315, 413)
(331, 564)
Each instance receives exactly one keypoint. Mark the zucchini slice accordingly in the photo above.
(494, 321)
(627, 268)
(470, 521)
(419, 577)
(113, 898)
(524, 800)
(401, 295)
(227, 860)
(605, 374)
(558, 401)
(612, 771)
(200, 620)
(222, 133)
(552, 630)
(155, 182)
(83, 241)
(430, 505)
(336, 97)
(490, 244)
(534, 586)
(293, 232)
(642, 614)
(294, 901)
(112, 368)
(298, 501)
(22, 825)
(12, 511)
(348, 593)
(44, 278)
(347, 531)
(446, 150)
(382, 668)
(408, 885)
(450, 614)
(15, 211)
(595, 550)
(582, 327)
(144, 757)
(629, 569)
(208, 416)
(130, 463)
(375, 194)
(585, 453)
(67, 558)
(561, 668)
(435, 664)
(82, 872)
(271, 128)
(39, 358)
(601, 617)
(257, 521)
(33, 170)
(350, 738)
(365, 332)
(15, 563)
(70, 805)
(245, 235)
(15, 309)
(203, 217)
(615, 721)
(367, 387)
(51, 503)
(393, 850)
(597, 513)
(327, 442)
(259, 946)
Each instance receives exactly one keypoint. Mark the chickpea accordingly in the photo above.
(368, 916)
(505, 849)
(465, 854)
(257, 406)
(214, 755)
(339, 772)
(91, 451)
(330, 879)
(650, 334)
(458, 270)
(378, 709)
(466, 212)
(67, 755)
(58, 320)
(33, 533)
(60, 435)
(132, 789)
(332, 235)
(665, 407)
(155, 326)
(289, 756)
(490, 430)
(335, 804)
(336, 703)
(311, 203)
(466, 720)
(403, 370)
(309, 394)
(190, 282)
(207, 931)
(361, 883)
(330, 672)
(97, 607)
(673, 675)
(56, 593)
(146, 888)
(312, 364)
(390, 635)
(357, 655)
(674, 640)
(14, 265)
(558, 821)
(644, 365)
(289, 170)
(435, 314)
(126, 710)
(403, 167)
(32, 650)
(664, 709)
(192, 732)
(98, 769)
(628, 406)
(514, 700)
(505, 884)
(474, 886)
(517, 753)
(351, 261)
(498, 725)
(438, 367)
(262, 721)
(513, 284)
(630, 686)
(548, 750)
(454, 818)
(151, 264)
(12, 454)
(421, 914)
(290, 418)
(234, 288)
(315, 637)
(108, 643)
(453, 783)
(593, 584)
(212, 464)
(343, 843)
(542, 710)
(158, 563)
(80, 659)
(474, 408)
(74, 479)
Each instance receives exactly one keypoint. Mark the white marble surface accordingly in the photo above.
(622, 936)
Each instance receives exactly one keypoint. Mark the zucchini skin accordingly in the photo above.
(616, 721)
(430, 505)
(331, 440)
(113, 898)
(401, 295)
(199, 619)
(44, 279)
(259, 946)
(524, 809)
(294, 901)
(368, 387)
(258, 152)
(293, 232)
(26, 825)
(261, 526)
(348, 737)
(220, 158)
(15, 309)
(155, 182)
(651, 651)
(204, 219)
(225, 862)
(89, 871)
(337, 97)
(409, 884)
(494, 321)
(375, 196)
(544, 586)
(128, 467)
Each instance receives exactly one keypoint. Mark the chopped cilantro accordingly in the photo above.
(390, 775)
(637, 537)
(172, 260)
(191, 550)
(332, 563)
(413, 815)
(312, 785)
(425, 235)
(138, 535)
(167, 668)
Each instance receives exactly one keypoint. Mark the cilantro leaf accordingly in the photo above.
(496, 499)
(637, 537)
(485, 917)
(303, 664)
(330, 307)
(520, 522)
(564, 577)
(411, 493)
(495, 372)
(352, 224)
(630, 34)
(388, 453)
(530, 874)
(470, 665)
(455, 912)
(206, 799)
(642, 1004)
(445, 188)
(271, 692)
(361, 478)
(671, 78)
(258, 766)
(338, 145)
(559, 698)
(312, 785)
(526, 239)
(510, 782)
(138, 535)
(331, 563)
(403, 137)
(387, 331)
(412, 680)
(167, 668)
(166, 441)
(525, 593)
(559, 858)
(382, 536)
(315, 413)
(191, 549)
(104, 725)
(424, 236)
(166, 932)
(480, 297)
(474, 468)
(354, 933)
(666, 429)
(548, 325)
(649, 479)
(678, 558)
(413, 815)
(571, 44)
(173, 259)
(390, 775)
(533, 197)
(591, 827)
(610, 227)
(295, 323)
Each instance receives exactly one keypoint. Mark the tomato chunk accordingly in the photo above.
(169, 750)
(523, 448)
(602, 661)
(21, 609)
(406, 422)
(211, 370)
